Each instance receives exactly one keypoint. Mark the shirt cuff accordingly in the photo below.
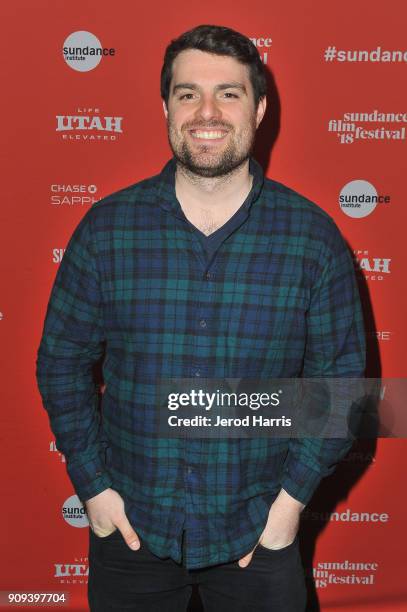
(89, 479)
(300, 481)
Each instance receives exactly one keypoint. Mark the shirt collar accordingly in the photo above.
(165, 189)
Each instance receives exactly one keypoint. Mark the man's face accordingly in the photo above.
(211, 115)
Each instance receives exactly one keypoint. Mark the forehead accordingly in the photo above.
(194, 66)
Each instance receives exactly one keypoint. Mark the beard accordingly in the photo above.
(201, 160)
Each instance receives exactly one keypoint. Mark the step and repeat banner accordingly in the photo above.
(79, 126)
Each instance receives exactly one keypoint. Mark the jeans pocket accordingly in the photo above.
(108, 537)
(276, 551)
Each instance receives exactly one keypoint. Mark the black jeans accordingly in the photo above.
(122, 579)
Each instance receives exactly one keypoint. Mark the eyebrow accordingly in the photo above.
(220, 87)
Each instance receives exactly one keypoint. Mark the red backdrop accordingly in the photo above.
(336, 116)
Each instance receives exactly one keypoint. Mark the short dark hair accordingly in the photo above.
(220, 41)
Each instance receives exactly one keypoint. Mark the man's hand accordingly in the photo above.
(106, 512)
(281, 527)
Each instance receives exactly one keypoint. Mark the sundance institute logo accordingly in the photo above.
(74, 513)
(83, 51)
(359, 198)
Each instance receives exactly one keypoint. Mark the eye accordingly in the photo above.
(229, 94)
(187, 96)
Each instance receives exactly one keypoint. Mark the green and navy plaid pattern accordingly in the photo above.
(278, 299)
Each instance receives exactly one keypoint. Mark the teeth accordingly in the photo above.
(208, 135)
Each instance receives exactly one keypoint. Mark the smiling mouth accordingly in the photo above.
(208, 134)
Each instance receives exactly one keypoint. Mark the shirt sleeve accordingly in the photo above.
(335, 348)
(72, 341)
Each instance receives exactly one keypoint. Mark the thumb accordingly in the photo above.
(244, 561)
(130, 536)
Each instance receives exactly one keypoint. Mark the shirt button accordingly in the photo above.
(208, 276)
(197, 372)
(202, 323)
(189, 470)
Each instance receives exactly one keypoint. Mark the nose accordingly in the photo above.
(208, 108)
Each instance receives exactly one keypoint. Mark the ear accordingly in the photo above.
(165, 109)
(261, 109)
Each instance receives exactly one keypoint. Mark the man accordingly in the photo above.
(210, 270)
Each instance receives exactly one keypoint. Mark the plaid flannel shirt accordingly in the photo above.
(279, 299)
